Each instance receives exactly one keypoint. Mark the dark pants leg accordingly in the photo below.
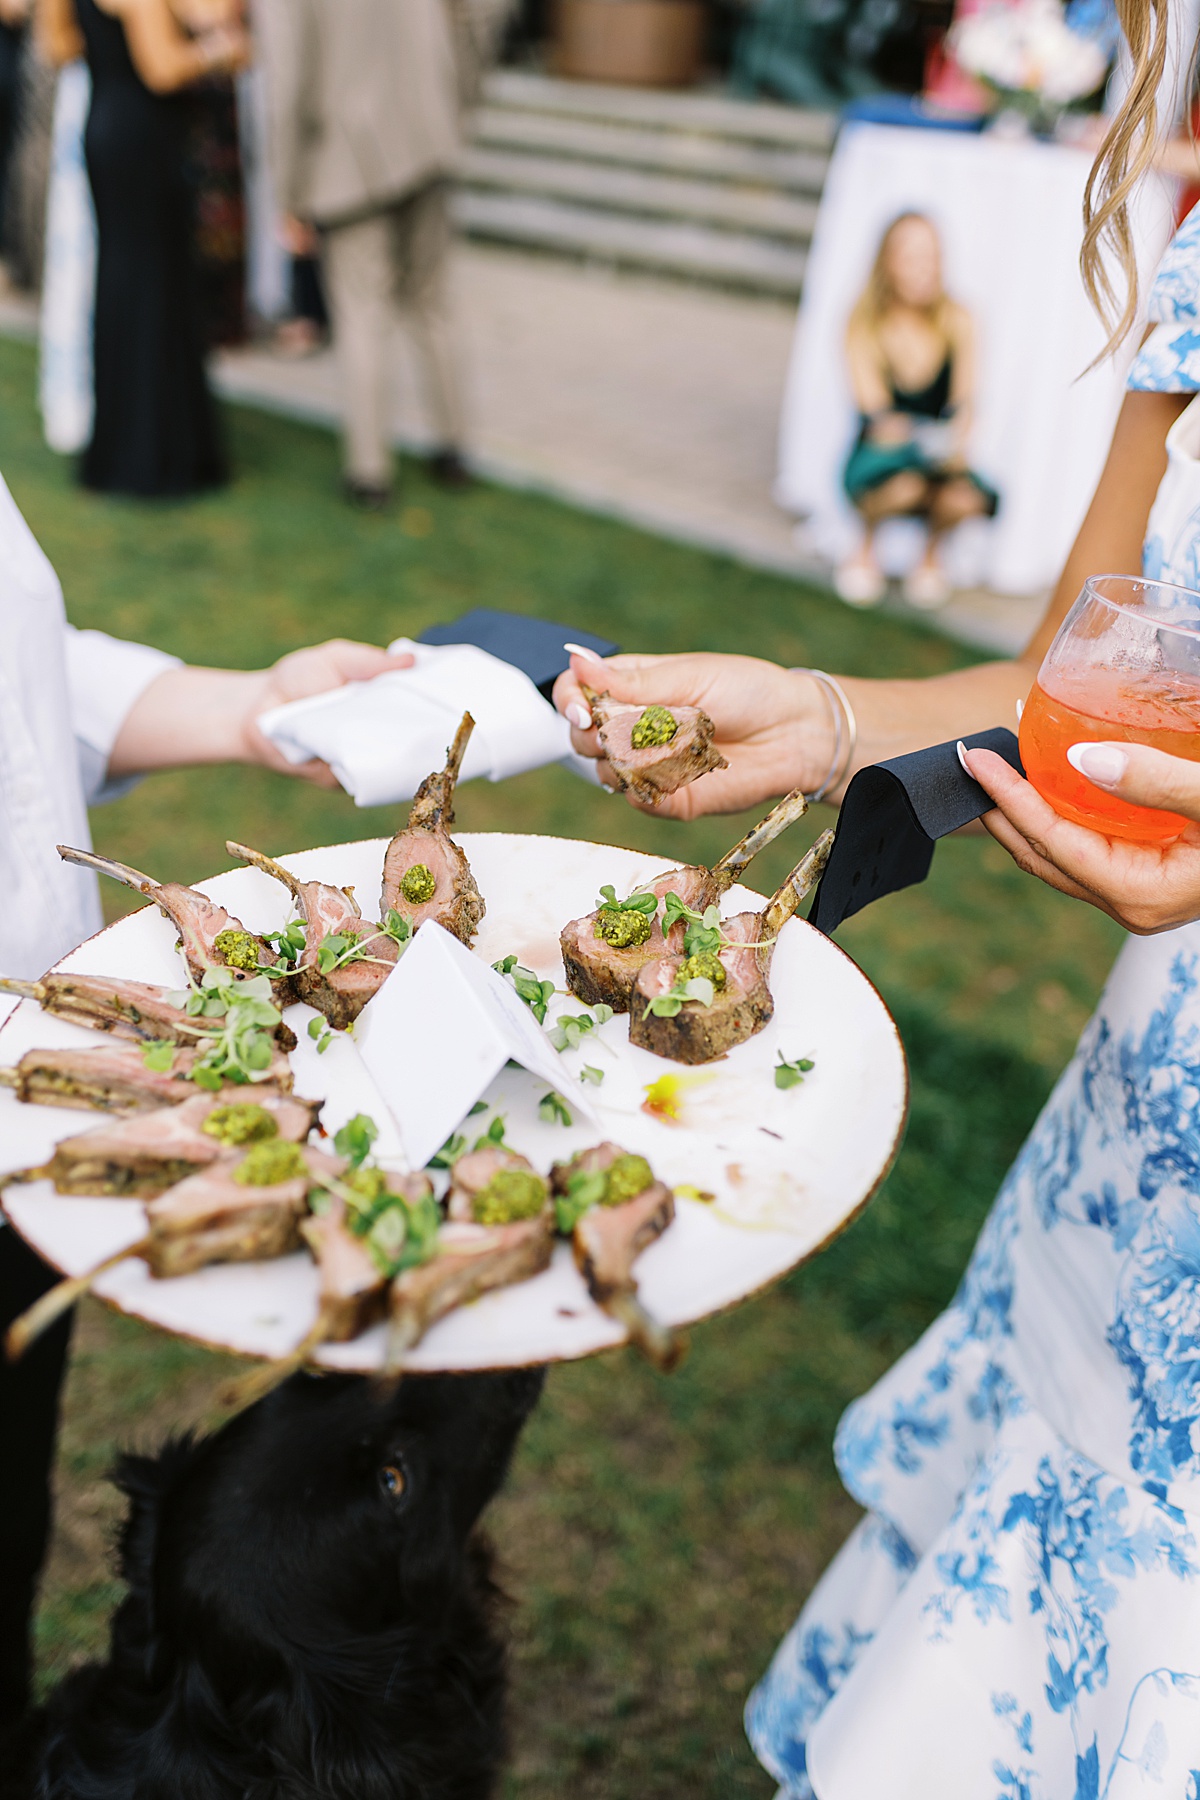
(29, 1393)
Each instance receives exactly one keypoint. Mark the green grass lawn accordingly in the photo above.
(658, 1533)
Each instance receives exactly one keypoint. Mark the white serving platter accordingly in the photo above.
(786, 1169)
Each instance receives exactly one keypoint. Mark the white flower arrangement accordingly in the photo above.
(1028, 50)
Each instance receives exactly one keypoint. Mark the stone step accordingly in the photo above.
(692, 251)
(669, 152)
(641, 195)
(751, 121)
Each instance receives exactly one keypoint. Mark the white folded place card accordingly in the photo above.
(439, 1031)
(382, 737)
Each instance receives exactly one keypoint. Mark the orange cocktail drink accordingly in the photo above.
(1124, 667)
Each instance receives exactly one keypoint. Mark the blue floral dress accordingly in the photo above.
(1018, 1615)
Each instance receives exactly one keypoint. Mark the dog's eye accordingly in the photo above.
(392, 1480)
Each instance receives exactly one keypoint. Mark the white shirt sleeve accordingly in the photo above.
(105, 677)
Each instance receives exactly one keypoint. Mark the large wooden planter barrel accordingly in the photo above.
(645, 43)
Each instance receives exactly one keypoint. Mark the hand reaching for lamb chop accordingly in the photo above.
(772, 726)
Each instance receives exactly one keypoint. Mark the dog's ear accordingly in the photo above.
(146, 1482)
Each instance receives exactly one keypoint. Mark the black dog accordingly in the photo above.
(309, 1616)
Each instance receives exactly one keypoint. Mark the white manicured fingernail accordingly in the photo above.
(1020, 710)
(582, 650)
(962, 757)
(1102, 763)
(579, 716)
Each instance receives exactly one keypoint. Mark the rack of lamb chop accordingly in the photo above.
(129, 1009)
(246, 1206)
(362, 954)
(140, 1157)
(613, 1207)
(500, 1231)
(363, 1229)
(654, 750)
(604, 952)
(425, 873)
(696, 1006)
(208, 934)
(117, 1078)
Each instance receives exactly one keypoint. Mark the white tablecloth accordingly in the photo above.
(1009, 215)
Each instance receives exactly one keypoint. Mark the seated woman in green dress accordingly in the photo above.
(911, 356)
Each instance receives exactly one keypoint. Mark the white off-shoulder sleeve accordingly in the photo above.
(105, 677)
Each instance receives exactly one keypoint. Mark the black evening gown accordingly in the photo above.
(155, 431)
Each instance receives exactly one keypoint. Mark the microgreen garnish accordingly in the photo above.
(158, 1055)
(338, 948)
(288, 943)
(449, 1153)
(535, 993)
(398, 1233)
(241, 1047)
(643, 903)
(584, 1190)
(355, 1138)
(396, 926)
(590, 1073)
(666, 1006)
(703, 931)
(321, 1035)
(456, 1143)
(791, 1074)
(568, 1030)
(553, 1109)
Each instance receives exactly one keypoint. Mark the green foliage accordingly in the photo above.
(791, 1074)
(354, 1139)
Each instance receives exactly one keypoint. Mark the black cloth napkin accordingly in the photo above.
(891, 817)
(535, 646)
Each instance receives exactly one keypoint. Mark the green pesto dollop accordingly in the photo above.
(237, 949)
(418, 884)
(243, 1122)
(628, 1176)
(656, 726)
(623, 930)
(266, 1165)
(368, 1184)
(511, 1194)
(706, 965)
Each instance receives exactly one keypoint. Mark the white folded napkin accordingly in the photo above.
(382, 738)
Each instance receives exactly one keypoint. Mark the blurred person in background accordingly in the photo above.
(155, 429)
(911, 355)
(365, 100)
(14, 21)
(306, 327)
(213, 164)
(81, 713)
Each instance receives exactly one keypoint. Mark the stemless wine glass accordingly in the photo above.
(1124, 665)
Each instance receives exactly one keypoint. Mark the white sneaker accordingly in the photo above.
(926, 588)
(859, 583)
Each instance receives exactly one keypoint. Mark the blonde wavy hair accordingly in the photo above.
(1124, 158)
(879, 296)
